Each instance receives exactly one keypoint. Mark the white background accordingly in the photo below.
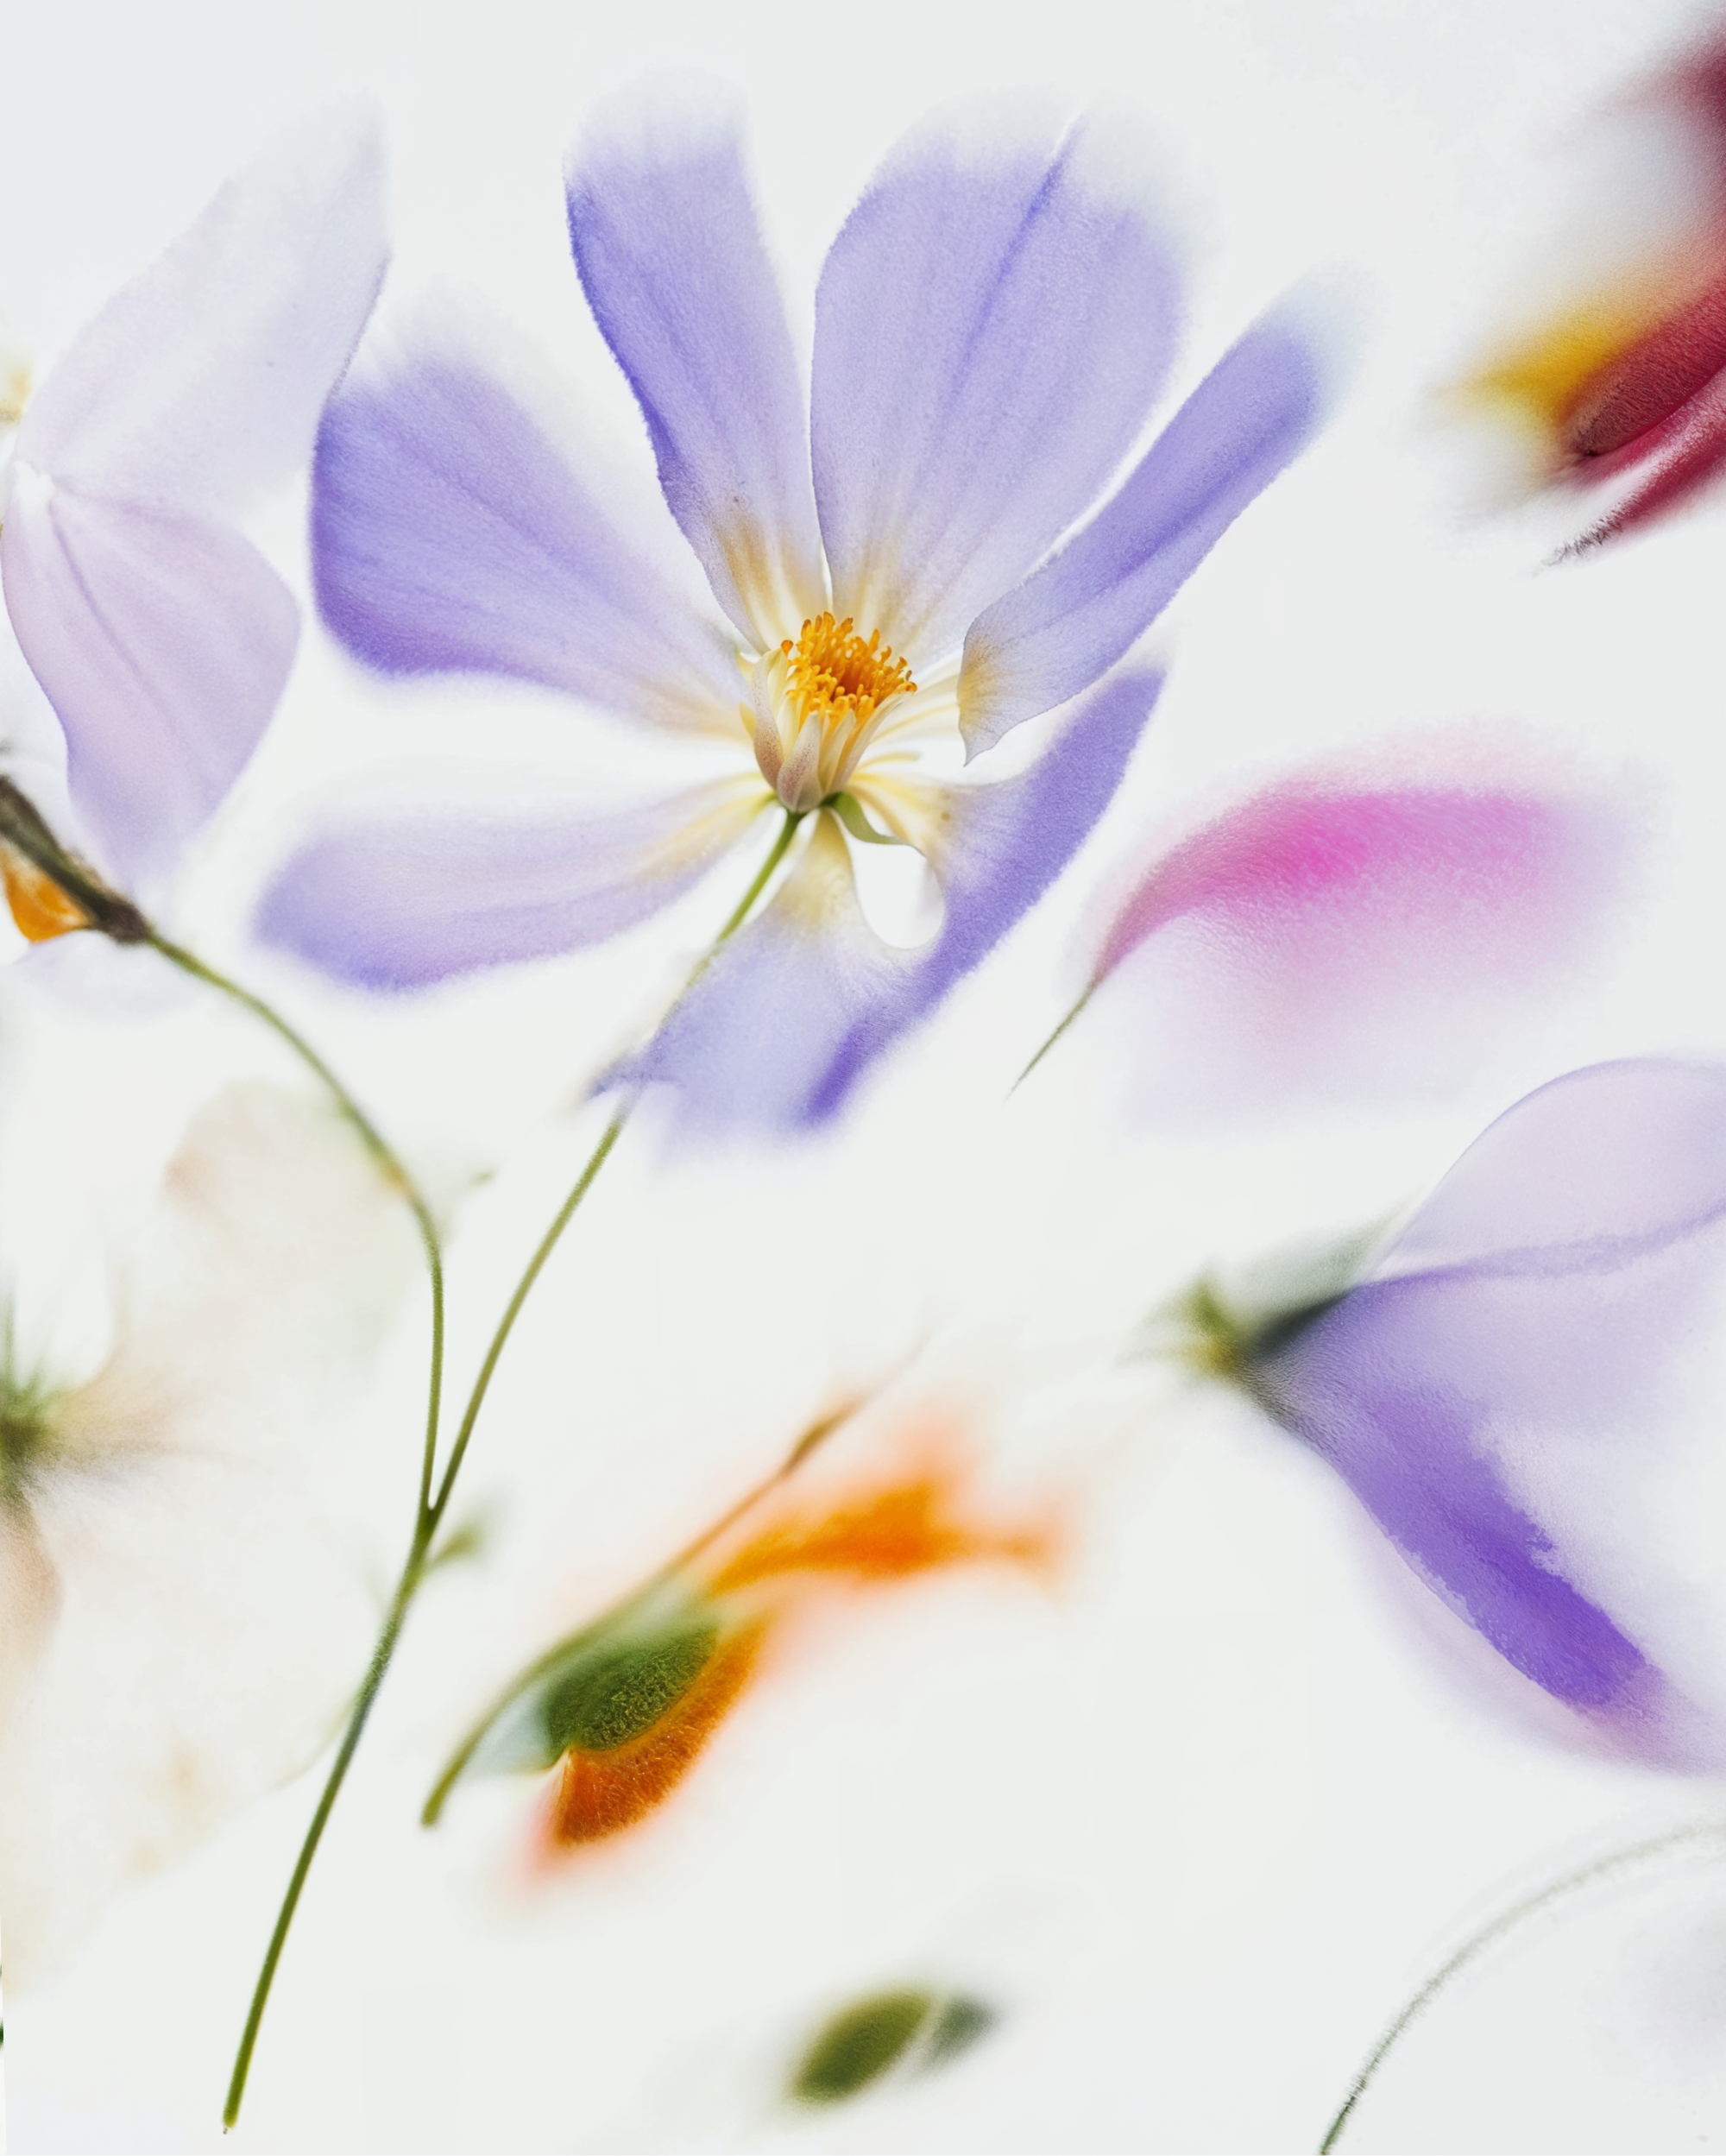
(1200, 1821)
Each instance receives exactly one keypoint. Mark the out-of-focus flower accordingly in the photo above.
(909, 2029)
(161, 635)
(1514, 1388)
(181, 1612)
(897, 564)
(1333, 937)
(1624, 389)
(619, 1713)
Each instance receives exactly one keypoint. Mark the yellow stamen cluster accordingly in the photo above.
(817, 703)
(835, 675)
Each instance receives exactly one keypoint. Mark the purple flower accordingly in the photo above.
(1512, 1386)
(897, 560)
(161, 635)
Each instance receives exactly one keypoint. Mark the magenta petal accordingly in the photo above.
(1671, 463)
(163, 644)
(669, 250)
(1326, 939)
(1498, 1391)
(801, 1002)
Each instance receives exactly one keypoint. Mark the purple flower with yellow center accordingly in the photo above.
(1516, 1390)
(906, 555)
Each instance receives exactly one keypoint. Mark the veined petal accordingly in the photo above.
(450, 532)
(801, 1002)
(992, 326)
(408, 897)
(669, 248)
(1506, 1390)
(201, 382)
(163, 643)
(1068, 622)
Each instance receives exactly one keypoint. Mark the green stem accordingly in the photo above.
(1053, 1038)
(1490, 1936)
(524, 1286)
(566, 1212)
(406, 1587)
(375, 1143)
(816, 1435)
(432, 1509)
(746, 905)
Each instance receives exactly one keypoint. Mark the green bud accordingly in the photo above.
(863, 2041)
(617, 1692)
(859, 2044)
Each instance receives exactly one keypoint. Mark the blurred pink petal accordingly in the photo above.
(1336, 940)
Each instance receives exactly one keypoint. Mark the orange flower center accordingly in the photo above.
(838, 678)
(816, 702)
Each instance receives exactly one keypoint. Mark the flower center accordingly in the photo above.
(817, 703)
(25, 1405)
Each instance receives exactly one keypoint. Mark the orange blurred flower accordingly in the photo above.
(620, 1711)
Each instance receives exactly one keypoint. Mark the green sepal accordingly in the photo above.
(1225, 1327)
(599, 1688)
(610, 1695)
(849, 810)
(26, 1405)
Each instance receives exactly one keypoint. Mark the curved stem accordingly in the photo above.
(376, 1144)
(583, 1182)
(432, 1509)
(1490, 1936)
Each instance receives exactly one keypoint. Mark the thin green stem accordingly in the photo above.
(1052, 1039)
(1490, 1935)
(396, 1175)
(523, 1288)
(376, 1144)
(432, 1509)
(583, 1182)
(746, 905)
(381, 1653)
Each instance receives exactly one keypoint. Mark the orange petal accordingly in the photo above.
(599, 1794)
(887, 1532)
(40, 907)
